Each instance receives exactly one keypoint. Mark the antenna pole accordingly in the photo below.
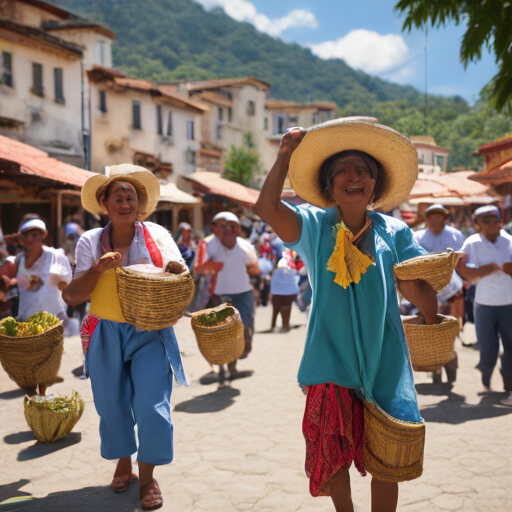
(426, 90)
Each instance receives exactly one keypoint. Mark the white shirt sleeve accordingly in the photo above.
(84, 255)
(60, 266)
(250, 254)
(468, 249)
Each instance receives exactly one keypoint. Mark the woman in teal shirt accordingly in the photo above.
(355, 348)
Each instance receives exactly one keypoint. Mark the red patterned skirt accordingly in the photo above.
(333, 428)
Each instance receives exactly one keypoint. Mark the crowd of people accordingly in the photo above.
(332, 258)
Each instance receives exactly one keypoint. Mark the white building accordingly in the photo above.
(432, 159)
(134, 120)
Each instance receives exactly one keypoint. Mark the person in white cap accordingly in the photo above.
(42, 272)
(487, 261)
(235, 260)
(438, 236)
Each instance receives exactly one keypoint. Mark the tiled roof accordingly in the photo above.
(458, 183)
(213, 97)
(496, 176)
(226, 82)
(134, 83)
(321, 105)
(213, 183)
(42, 36)
(170, 92)
(37, 163)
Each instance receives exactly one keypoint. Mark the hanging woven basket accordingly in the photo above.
(222, 343)
(151, 302)
(33, 360)
(51, 424)
(430, 346)
(436, 269)
(393, 448)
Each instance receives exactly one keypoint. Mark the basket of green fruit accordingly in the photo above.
(52, 417)
(31, 351)
(220, 334)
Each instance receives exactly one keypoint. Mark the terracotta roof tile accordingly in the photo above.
(226, 82)
(134, 83)
(170, 92)
(321, 105)
(37, 163)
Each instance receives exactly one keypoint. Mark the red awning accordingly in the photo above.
(30, 160)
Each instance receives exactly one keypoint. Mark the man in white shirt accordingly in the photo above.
(488, 263)
(438, 237)
(235, 260)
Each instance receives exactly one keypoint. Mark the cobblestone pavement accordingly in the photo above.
(240, 447)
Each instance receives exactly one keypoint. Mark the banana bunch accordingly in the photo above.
(36, 324)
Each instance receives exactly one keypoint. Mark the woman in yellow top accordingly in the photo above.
(131, 371)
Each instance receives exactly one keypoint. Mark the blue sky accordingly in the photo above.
(368, 35)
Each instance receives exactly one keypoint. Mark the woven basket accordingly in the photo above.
(49, 426)
(220, 344)
(33, 360)
(430, 346)
(436, 269)
(153, 301)
(393, 448)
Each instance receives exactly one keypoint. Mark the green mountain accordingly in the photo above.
(180, 40)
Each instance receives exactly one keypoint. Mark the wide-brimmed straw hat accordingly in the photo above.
(391, 149)
(145, 182)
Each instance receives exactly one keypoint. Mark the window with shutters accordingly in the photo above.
(7, 69)
(169, 124)
(221, 113)
(59, 85)
(37, 79)
(190, 130)
(251, 108)
(103, 101)
(136, 115)
(159, 120)
(230, 114)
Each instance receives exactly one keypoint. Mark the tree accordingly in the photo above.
(242, 163)
(488, 26)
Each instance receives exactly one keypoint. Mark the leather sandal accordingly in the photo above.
(121, 483)
(151, 496)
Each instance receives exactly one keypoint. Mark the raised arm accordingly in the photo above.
(269, 206)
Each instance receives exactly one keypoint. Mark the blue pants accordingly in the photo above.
(491, 322)
(131, 382)
(244, 302)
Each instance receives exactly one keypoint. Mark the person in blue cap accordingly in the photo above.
(487, 261)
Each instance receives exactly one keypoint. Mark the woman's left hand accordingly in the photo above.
(175, 267)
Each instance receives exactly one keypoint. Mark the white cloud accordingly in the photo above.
(366, 50)
(243, 10)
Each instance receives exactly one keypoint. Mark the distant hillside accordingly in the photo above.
(180, 40)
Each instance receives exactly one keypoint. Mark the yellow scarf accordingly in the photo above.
(347, 261)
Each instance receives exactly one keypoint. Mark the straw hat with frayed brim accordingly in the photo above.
(145, 182)
(394, 151)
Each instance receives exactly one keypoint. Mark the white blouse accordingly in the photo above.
(88, 249)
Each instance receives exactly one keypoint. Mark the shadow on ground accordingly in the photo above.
(40, 449)
(211, 402)
(9, 395)
(13, 490)
(20, 437)
(454, 410)
(90, 499)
